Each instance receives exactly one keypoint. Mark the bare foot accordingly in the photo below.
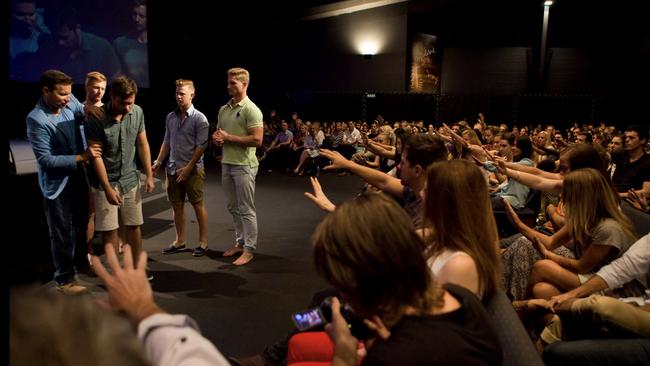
(232, 251)
(244, 258)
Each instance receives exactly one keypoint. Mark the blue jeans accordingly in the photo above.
(67, 219)
(239, 188)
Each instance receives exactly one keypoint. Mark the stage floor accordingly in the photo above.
(240, 309)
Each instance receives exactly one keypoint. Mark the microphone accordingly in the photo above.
(79, 119)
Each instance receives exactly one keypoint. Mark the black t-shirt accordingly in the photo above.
(462, 337)
(631, 175)
(413, 205)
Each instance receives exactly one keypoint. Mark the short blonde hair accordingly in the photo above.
(185, 82)
(240, 74)
(95, 76)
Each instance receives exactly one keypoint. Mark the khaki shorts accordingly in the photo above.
(192, 187)
(110, 217)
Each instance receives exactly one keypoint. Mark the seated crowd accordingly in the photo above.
(422, 277)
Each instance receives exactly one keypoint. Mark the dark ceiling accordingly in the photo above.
(484, 23)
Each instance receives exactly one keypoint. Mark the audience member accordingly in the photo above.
(369, 251)
(626, 274)
(463, 235)
(48, 329)
(596, 228)
(419, 152)
(168, 339)
(511, 190)
(633, 169)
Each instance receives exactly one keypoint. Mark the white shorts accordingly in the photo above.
(110, 217)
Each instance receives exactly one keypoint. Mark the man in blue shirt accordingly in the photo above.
(186, 136)
(53, 131)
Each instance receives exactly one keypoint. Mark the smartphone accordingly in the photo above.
(309, 319)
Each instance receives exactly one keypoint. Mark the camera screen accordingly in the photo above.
(308, 319)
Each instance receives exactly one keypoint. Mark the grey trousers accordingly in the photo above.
(239, 188)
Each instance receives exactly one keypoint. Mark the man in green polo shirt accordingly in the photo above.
(240, 132)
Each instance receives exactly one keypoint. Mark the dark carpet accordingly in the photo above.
(240, 309)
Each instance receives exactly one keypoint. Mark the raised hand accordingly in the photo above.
(128, 288)
(338, 160)
(318, 197)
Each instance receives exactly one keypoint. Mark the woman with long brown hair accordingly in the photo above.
(463, 239)
(369, 251)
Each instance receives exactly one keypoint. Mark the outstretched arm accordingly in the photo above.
(533, 181)
(375, 177)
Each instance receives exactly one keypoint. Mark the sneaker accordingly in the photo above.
(173, 248)
(72, 288)
(200, 251)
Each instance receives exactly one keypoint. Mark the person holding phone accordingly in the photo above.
(369, 251)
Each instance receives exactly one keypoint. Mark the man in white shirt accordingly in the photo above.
(603, 310)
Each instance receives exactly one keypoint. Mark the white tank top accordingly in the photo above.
(436, 263)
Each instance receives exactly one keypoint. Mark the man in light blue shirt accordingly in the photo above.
(186, 137)
(53, 131)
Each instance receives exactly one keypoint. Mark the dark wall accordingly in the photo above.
(323, 54)
(485, 71)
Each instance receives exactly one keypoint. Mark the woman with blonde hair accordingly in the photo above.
(463, 239)
(598, 232)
